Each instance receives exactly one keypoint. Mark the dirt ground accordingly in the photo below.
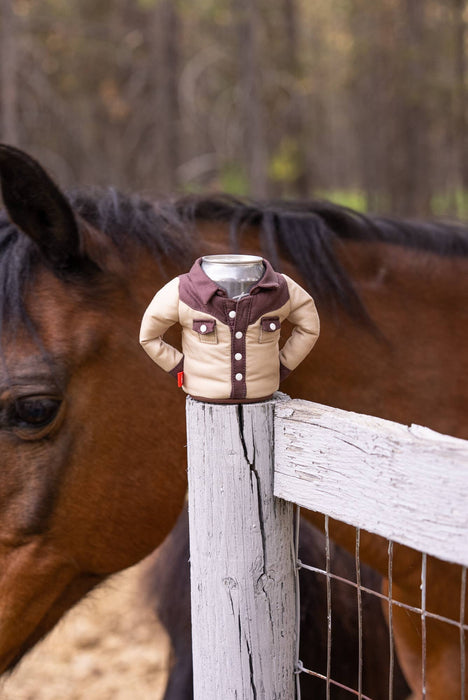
(110, 647)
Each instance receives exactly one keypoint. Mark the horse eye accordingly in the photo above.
(35, 410)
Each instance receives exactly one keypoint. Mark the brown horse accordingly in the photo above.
(92, 434)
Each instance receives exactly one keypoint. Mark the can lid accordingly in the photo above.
(232, 259)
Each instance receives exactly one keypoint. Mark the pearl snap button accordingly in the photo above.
(203, 328)
(273, 326)
(238, 356)
(238, 376)
(239, 334)
(232, 314)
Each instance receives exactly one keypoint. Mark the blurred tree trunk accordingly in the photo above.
(461, 136)
(296, 123)
(247, 17)
(8, 62)
(392, 98)
(409, 184)
(166, 62)
(368, 101)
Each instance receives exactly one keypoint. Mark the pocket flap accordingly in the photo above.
(270, 324)
(204, 325)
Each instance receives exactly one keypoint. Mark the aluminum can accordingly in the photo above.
(236, 274)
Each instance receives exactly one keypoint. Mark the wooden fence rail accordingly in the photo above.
(408, 484)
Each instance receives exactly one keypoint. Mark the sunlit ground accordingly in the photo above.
(110, 647)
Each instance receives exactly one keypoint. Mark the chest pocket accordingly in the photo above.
(270, 327)
(205, 328)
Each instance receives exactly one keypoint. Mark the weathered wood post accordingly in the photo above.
(242, 556)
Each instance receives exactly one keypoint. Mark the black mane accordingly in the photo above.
(278, 219)
(305, 233)
(125, 219)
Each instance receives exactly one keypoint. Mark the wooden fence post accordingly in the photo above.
(242, 556)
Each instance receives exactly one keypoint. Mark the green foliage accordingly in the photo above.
(354, 199)
(450, 203)
(285, 164)
(233, 180)
(192, 188)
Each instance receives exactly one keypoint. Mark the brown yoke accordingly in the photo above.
(230, 347)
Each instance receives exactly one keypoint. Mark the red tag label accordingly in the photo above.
(180, 379)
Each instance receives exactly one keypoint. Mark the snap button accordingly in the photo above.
(232, 314)
(203, 328)
(273, 326)
(238, 356)
(238, 376)
(239, 335)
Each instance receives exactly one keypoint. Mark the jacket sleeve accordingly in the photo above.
(305, 319)
(162, 313)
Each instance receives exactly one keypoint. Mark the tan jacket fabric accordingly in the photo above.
(230, 348)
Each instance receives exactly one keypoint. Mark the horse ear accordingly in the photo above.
(38, 207)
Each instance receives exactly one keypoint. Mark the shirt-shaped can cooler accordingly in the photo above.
(230, 344)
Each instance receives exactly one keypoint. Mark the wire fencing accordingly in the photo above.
(387, 602)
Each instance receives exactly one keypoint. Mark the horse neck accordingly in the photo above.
(415, 368)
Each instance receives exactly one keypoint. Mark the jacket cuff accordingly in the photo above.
(284, 371)
(178, 368)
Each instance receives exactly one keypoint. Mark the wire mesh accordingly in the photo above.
(389, 602)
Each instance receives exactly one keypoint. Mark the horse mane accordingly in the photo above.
(309, 233)
(125, 219)
(282, 220)
(306, 234)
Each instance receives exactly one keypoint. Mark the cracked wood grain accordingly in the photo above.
(242, 556)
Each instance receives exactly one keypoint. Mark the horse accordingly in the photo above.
(92, 434)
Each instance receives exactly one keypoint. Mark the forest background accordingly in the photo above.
(359, 101)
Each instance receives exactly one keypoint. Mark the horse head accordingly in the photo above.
(83, 429)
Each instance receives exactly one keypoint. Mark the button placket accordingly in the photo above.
(238, 326)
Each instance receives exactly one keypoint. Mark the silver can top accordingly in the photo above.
(236, 274)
